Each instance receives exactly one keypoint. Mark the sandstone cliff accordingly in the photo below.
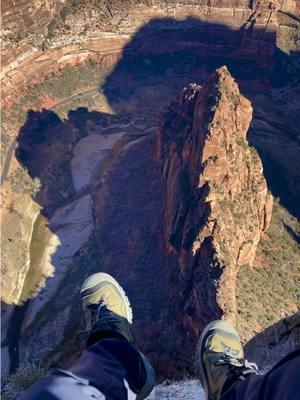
(40, 39)
(217, 203)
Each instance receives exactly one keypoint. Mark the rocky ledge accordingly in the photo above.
(271, 345)
(217, 203)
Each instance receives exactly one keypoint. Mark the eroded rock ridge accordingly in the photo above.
(217, 203)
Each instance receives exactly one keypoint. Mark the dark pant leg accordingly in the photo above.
(110, 369)
(62, 385)
(111, 365)
(282, 382)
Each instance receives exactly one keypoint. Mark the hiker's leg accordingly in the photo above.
(62, 386)
(111, 369)
(115, 366)
(226, 375)
(220, 359)
(111, 365)
(282, 382)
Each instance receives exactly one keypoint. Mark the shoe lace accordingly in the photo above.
(96, 310)
(239, 367)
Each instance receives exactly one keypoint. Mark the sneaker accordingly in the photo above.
(106, 308)
(107, 313)
(220, 359)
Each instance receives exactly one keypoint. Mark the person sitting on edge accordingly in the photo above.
(113, 368)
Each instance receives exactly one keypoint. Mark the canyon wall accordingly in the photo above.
(276, 341)
(217, 203)
(25, 18)
(75, 33)
(291, 6)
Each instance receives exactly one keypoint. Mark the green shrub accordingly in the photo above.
(21, 182)
(270, 291)
(241, 142)
(17, 383)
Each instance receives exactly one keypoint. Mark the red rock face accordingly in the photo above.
(31, 50)
(291, 6)
(217, 202)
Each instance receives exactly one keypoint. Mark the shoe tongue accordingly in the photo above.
(95, 308)
(229, 351)
(226, 345)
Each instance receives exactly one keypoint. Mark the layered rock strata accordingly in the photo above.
(66, 33)
(217, 203)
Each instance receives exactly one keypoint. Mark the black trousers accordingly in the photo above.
(113, 369)
(110, 369)
(282, 382)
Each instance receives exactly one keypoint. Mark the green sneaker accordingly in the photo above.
(106, 308)
(107, 313)
(220, 359)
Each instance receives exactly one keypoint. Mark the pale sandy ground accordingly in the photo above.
(88, 155)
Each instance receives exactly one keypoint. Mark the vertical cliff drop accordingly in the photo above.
(217, 203)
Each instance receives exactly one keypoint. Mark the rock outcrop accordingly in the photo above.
(275, 342)
(217, 203)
